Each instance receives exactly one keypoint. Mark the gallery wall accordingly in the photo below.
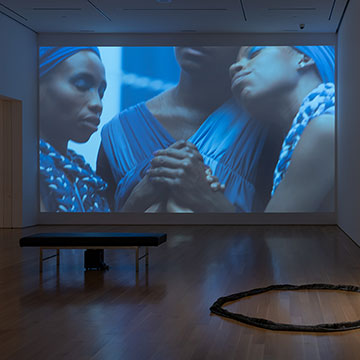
(348, 123)
(18, 80)
(18, 74)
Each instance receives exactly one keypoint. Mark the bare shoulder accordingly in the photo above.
(318, 137)
(321, 127)
(310, 176)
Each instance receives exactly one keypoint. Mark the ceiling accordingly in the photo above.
(177, 16)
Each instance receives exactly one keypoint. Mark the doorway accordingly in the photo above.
(10, 162)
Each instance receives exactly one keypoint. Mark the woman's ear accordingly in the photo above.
(305, 62)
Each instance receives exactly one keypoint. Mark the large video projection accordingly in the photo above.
(220, 129)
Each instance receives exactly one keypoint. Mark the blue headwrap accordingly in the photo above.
(324, 58)
(51, 56)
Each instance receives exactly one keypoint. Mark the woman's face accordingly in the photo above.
(71, 98)
(263, 72)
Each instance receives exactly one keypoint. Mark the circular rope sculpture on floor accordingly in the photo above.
(217, 308)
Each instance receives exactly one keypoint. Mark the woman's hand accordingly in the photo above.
(213, 181)
(180, 169)
(144, 195)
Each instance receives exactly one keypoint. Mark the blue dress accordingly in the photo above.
(230, 143)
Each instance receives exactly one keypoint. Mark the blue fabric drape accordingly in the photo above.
(229, 142)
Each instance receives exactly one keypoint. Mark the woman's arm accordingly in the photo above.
(310, 177)
(143, 196)
(103, 169)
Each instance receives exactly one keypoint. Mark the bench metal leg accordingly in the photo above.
(137, 259)
(41, 260)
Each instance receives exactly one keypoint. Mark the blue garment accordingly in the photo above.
(68, 184)
(229, 142)
(51, 56)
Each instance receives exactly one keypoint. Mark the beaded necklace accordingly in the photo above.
(69, 183)
(320, 101)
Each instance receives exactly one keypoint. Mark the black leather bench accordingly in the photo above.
(93, 241)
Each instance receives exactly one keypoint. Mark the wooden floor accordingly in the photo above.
(72, 314)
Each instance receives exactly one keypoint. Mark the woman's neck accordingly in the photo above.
(281, 110)
(182, 109)
(59, 145)
(202, 93)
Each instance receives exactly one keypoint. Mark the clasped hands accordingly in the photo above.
(178, 179)
(180, 168)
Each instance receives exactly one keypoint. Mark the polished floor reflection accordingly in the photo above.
(164, 314)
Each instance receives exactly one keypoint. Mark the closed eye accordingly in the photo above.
(102, 89)
(83, 82)
(86, 82)
(254, 51)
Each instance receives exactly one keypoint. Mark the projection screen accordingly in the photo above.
(187, 129)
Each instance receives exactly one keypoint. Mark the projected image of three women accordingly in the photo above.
(220, 129)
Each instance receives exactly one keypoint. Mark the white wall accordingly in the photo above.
(18, 80)
(349, 122)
